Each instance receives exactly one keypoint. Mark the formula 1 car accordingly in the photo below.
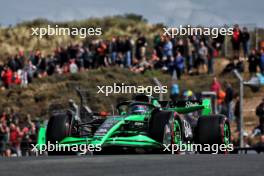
(142, 123)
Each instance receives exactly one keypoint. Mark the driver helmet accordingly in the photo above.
(138, 109)
(189, 95)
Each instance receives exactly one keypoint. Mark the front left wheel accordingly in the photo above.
(165, 127)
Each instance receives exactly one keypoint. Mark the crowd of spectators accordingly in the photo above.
(16, 134)
(255, 58)
(170, 55)
(228, 103)
(176, 56)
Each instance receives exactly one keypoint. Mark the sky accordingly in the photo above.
(169, 12)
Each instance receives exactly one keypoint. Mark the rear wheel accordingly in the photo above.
(58, 128)
(213, 130)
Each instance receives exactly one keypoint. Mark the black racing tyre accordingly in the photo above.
(213, 129)
(157, 123)
(58, 128)
(165, 128)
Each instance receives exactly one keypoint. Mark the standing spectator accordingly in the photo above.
(179, 47)
(12, 64)
(51, 62)
(29, 136)
(128, 52)
(261, 61)
(215, 86)
(158, 45)
(62, 56)
(21, 59)
(203, 55)
(179, 64)
(72, 50)
(79, 60)
(7, 76)
(119, 49)
(88, 58)
(228, 101)
(113, 50)
(18, 62)
(14, 139)
(42, 67)
(36, 58)
(260, 114)
(253, 62)
(167, 50)
(30, 69)
(218, 43)
(245, 41)
(4, 130)
(210, 58)
(141, 44)
(190, 51)
(236, 39)
(196, 43)
(24, 78)
(101, 51)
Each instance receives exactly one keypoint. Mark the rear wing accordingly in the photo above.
(187, 106)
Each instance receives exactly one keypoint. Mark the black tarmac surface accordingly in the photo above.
(124, 165)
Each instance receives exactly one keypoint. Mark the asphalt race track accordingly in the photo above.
(123, 165)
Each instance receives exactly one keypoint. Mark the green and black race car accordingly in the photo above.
(144, 123)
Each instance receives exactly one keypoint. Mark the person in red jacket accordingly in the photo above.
(215, 86)
(236, 40)
(7, 76)
(15, 139)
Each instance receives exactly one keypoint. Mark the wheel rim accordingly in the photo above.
(172, 132)
(67, 126)
(226, 134)
(167, 134)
